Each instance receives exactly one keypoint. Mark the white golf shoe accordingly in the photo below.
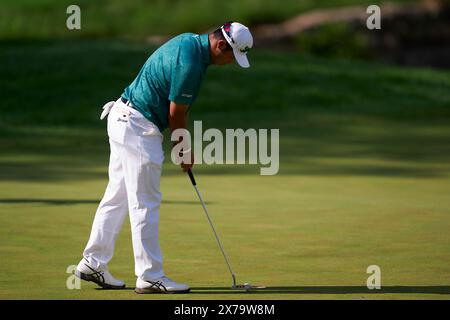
(101, 277)
(160, 285)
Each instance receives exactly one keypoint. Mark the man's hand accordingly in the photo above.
(178, 120)
(187, 166)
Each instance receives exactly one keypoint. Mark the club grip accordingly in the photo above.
(191, 176)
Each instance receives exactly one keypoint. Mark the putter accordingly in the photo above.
(245, 286)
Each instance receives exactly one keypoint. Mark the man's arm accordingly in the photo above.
(178, 120)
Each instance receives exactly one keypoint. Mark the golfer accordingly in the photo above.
(159, 97)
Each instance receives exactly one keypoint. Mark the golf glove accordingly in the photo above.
(106, 108)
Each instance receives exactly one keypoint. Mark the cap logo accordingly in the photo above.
(245, 50)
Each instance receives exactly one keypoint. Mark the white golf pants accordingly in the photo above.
(134, 186)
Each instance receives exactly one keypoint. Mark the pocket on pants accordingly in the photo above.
(118, 123)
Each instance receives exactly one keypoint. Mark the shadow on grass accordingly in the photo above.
(328, 290)
(407, 151)
(57, 202)
(319, 290)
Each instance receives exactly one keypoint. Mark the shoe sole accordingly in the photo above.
(154, 290)
(89, 278)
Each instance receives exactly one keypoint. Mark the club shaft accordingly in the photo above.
(217, 237)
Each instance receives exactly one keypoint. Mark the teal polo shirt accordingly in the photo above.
(174, 72)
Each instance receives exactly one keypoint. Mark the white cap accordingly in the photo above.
(240, 39)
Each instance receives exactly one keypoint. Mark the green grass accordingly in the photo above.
(337, 40)
(364, 176)
(139, 18)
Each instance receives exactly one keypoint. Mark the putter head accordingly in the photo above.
(246, 286)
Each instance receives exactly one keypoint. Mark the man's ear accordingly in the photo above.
(222, 45)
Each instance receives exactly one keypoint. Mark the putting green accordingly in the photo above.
(302, 237)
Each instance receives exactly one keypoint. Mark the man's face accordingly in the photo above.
(224, 56)
(227, 57)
